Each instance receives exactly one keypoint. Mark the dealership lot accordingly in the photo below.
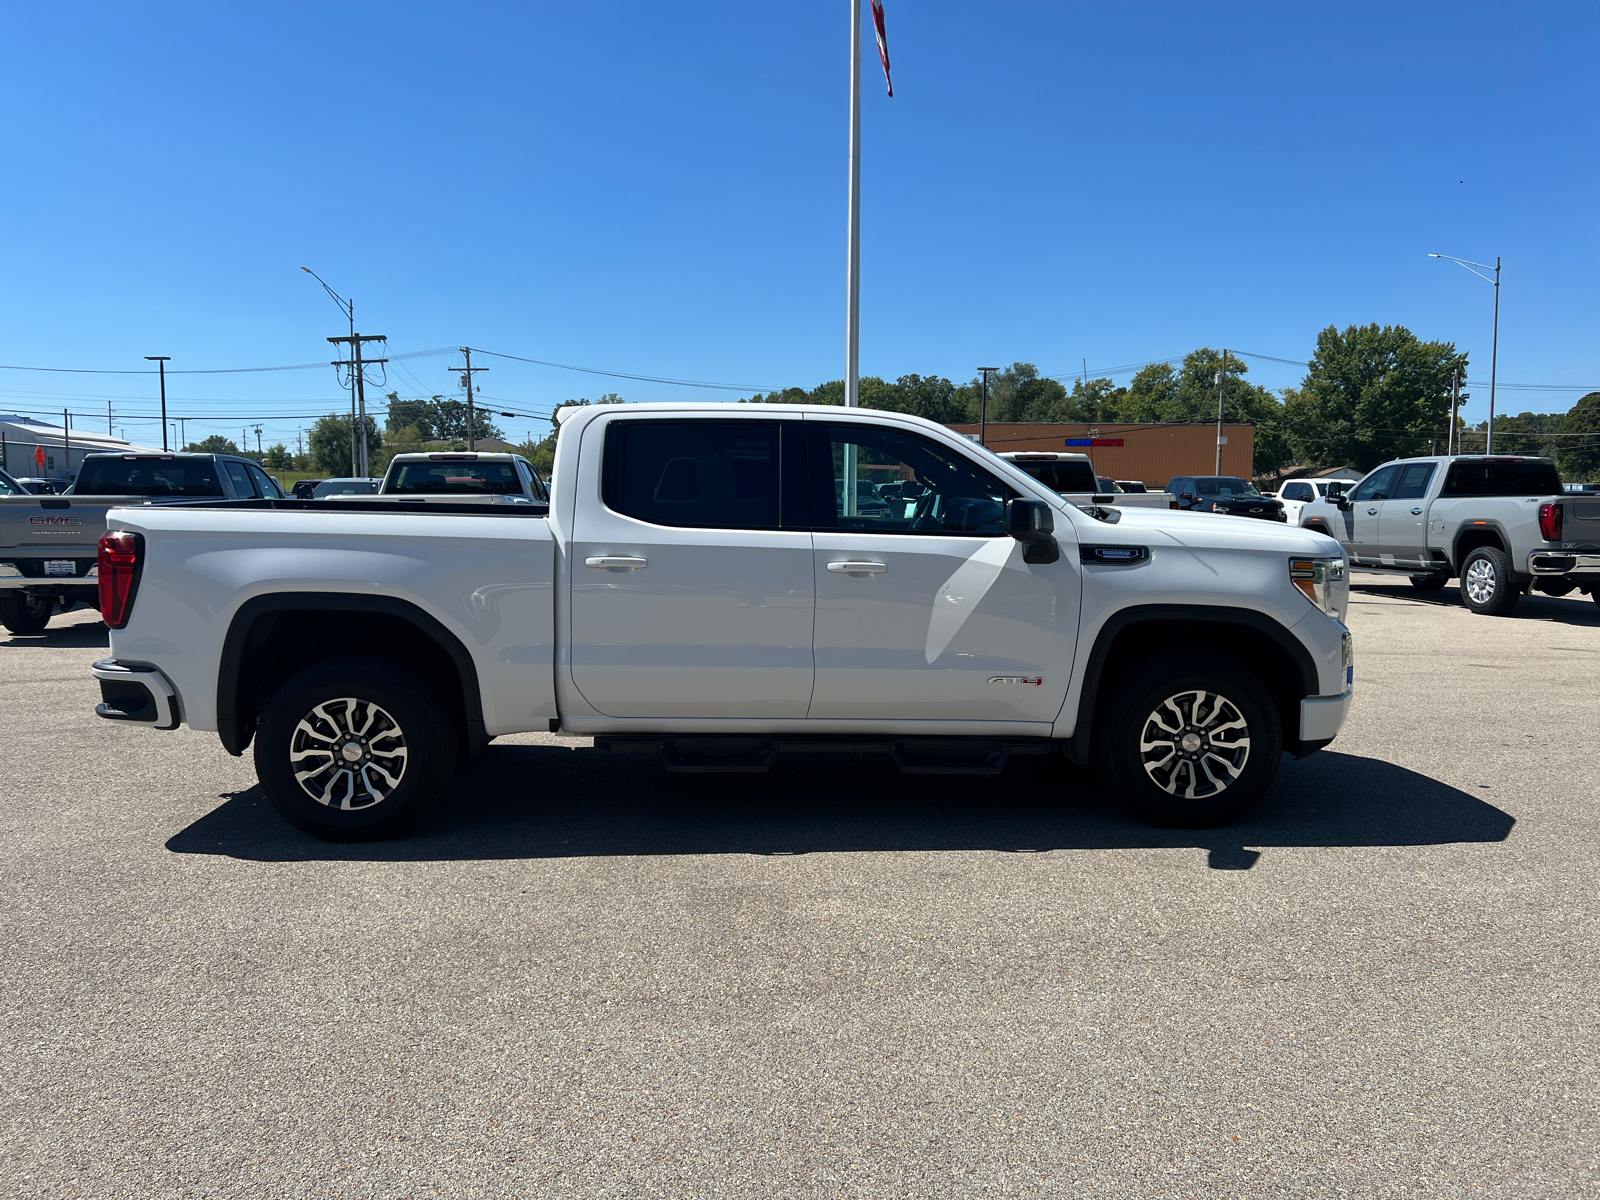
(589, 978)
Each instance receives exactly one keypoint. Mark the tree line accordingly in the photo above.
(1370, 393)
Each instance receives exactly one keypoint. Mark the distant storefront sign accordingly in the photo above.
(1094, 441)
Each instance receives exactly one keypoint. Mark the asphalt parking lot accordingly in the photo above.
(586, 978)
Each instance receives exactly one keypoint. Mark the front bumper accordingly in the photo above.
(1564, 562)
(135, 692)
(1321, 717)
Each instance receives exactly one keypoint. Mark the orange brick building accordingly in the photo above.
(1152, 453)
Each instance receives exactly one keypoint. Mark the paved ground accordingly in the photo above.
(587, 979)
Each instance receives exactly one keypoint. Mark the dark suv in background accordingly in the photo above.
(174, 477)
(1225, 494)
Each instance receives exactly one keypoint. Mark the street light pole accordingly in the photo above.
(161, 364)
(983, 407)
(1494, 351)
(1222, 391)
(348, 308)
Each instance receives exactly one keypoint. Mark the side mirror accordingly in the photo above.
(1342, 503)
(1033, 524)
(1186, 496)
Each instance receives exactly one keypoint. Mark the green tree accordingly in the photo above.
(1580, 447)
(278, 458)
(215, 444)
(1528, 433)
(1372, 393)
(439, 419)
(330, 444)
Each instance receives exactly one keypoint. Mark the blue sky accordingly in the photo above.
(660, 189)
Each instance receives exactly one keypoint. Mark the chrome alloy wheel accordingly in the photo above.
(1480, 581)
(1195, 744)
(348, 753)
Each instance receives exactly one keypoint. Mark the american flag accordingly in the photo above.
(883, 42)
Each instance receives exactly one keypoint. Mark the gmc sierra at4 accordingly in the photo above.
(706, 589)
(1503, 525)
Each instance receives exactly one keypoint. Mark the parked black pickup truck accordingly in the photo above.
(1225, 494)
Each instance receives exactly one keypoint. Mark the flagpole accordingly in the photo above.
(852, 378)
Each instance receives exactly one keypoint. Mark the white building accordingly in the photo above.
(34, 449)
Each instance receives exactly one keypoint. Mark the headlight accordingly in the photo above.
(1323, 582)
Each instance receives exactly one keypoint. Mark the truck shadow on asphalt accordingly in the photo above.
(1573, 609)
(556, 801)
(82, 636)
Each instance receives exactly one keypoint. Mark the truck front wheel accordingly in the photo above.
(1486, 584)
(22, 613)
(354, 749)
(1191, 740)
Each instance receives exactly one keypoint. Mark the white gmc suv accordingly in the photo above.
(710, 587)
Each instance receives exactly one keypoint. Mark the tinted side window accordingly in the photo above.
(263, 482)
(698, 474)
(1482, 478)
(1376, 486)
(873, 478)
(240, 478)
(1068, 476)
(1412, 483)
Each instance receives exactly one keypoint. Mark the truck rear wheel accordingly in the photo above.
(22, 613)
(354, 749)
(1487, 587)
(1190, 741)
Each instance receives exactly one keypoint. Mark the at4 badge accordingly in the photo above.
(1036, 681)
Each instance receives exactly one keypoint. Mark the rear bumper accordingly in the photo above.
(29, 573)
(1564, 562)
(135, 692)
(1321, 717)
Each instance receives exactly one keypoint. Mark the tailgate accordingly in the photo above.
(33, 525)
(1581, 520)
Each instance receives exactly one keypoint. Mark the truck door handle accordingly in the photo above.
(617, 562)
(1416, 512)
(856, 567)
(1372, 512)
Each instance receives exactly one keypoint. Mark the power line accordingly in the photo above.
(694, 383)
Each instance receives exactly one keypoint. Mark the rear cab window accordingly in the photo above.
(149, 477)
(445, 478)
(1068, 476)
(1507, 477)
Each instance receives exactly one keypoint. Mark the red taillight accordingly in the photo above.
(121, 555)
(1550, 522)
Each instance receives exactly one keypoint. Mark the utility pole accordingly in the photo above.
(983, 407)
(1453, 444)
(466, 382)
(1494, 356)
(161, 361)
(66, 446)
(258, 439)
(109, 431)
(852, 346)
(183, 435)
(358, 392)
(1222, 392)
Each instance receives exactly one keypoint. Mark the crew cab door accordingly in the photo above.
(690, 571)
(925, 609)
(1366, 511)
(1403, 521)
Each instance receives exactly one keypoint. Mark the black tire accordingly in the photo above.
(22, 613)
(1487, 587)
(1429, 583)
(375, 707)
(1189, 694)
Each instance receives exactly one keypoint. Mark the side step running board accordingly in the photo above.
(730, 754)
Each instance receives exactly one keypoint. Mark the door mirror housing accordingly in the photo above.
(1341, 502)
(1033, 524)
(1186, 496)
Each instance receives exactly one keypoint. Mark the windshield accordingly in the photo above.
(1069, 476)
(1221, 485)
(149, 477)
(446, 478)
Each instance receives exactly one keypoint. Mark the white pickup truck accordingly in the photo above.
(707, 590)
(1503, 525)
